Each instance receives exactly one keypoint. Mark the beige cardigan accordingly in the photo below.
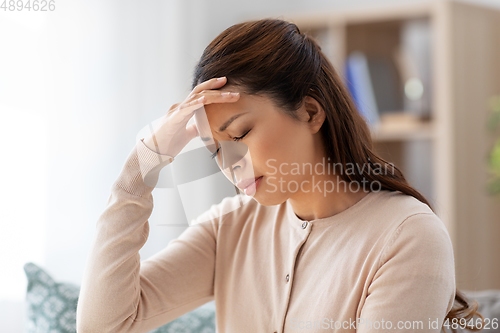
(387, 260)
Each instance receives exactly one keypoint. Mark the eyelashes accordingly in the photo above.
(235, 139)
(241, 137)
(215, 154)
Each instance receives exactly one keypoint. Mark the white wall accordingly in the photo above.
(76, 85)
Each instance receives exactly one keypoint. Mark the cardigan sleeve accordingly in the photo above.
(118, 292)
(415, 282)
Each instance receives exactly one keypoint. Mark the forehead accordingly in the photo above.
(218, 113)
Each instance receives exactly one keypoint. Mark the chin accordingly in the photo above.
(269, 199)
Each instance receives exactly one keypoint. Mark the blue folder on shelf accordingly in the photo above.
(360, 86)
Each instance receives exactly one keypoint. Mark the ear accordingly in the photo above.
(314, 114)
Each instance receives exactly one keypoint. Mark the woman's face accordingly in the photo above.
(275, 142)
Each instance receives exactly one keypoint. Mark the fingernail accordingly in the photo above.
(235, 93)
(221, 78)
(225, 93)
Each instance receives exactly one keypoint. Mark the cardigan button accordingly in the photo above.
(304, 225)
(287, 277)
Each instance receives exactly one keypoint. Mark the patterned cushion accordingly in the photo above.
(51, 308)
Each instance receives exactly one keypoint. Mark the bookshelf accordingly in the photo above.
(442, 150)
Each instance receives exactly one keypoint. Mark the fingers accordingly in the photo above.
(208, 97)
(211, 97)
(214, 83)
(187, 108)
(202, 94)
(215, 96)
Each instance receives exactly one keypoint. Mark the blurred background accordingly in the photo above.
(79, 82)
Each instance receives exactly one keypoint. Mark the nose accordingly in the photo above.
(236, 166)
(233, 154)
(235, 169)
(236, 162)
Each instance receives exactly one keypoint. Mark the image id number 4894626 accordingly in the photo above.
(28, 5)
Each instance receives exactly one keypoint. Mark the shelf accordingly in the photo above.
(401, 127)
(443, 155)
(365, 14)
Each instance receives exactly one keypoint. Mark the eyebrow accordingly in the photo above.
(229, 121)
(225, 125)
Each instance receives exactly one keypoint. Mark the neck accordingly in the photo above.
(326, 196)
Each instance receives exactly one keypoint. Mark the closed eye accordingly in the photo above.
(236, 138)
(241, 137)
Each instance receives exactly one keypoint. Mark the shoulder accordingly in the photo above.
(421, 247)
(398, 204)
(408, 213)
(420, 230)
(409, 224)
(416, 232)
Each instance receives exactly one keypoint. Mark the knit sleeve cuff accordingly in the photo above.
(140, 173)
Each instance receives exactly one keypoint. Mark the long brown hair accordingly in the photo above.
(272, 57)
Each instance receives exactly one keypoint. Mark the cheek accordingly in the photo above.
(279, 145)
(260, 150)
(290, 142)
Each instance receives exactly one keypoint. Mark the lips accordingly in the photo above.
(243, 184)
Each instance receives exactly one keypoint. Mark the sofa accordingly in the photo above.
(489, 307)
